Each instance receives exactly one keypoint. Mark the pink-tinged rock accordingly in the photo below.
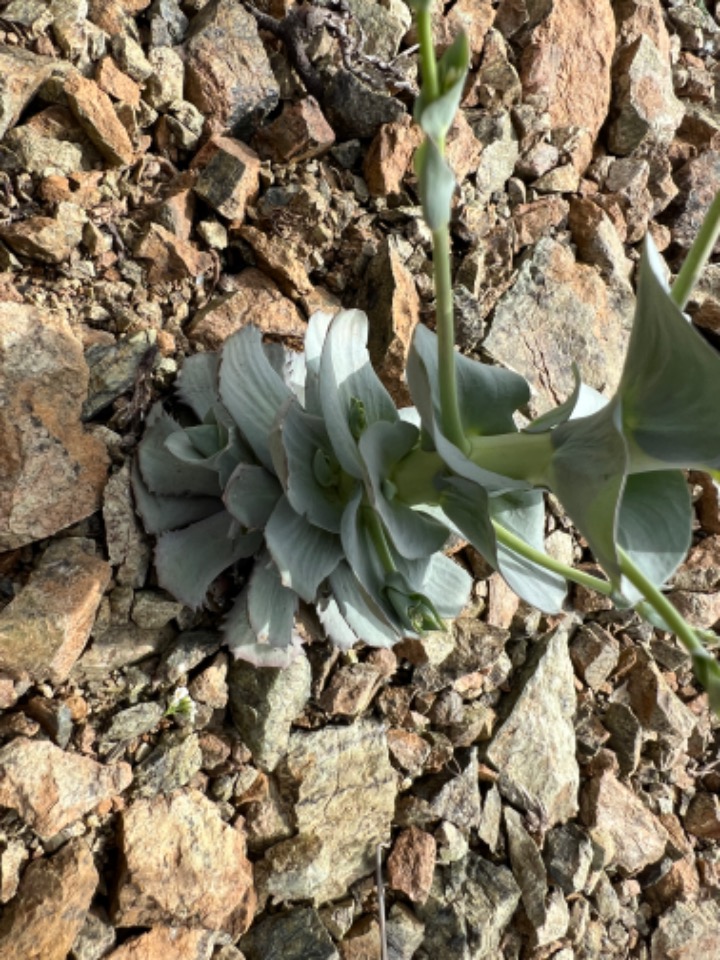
(182, 864)
(703, 816)
(44, 629)
(568, 60)
(50, 789)
(299, 133)
(256, 300)
(537, 219)
(229, 176)
(21, 74)
(636, 837)
(279, 261)
(350, 690)
(170, 257)
(687, 931)
(110, 78)
(45, 917)
(390, 154)
(411, 864)
(53, 472)
(167, 943)
(642, 18)
(45, 239)
(95, 113)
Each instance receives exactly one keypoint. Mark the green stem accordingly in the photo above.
(698, 255)
(377, 535)
(519, 546)
(428, 64)
(449, 404)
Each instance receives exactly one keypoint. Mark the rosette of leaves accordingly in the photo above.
(289, 458)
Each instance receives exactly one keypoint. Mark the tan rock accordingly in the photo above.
(46, 239)
(642, 18)
(703, 816)
(299, 133)
(537, 219)
(210, 686)
(411, 864)
(392, 304)
(408, 749)
(45, 917)
(362, 941)
(53, 472)
(502, 603)
(12, 861)
(229, 176)
(474, 17)
(463, 148)
(389, 156)
(21, 74)
(170, 257)
(596, 237)
(636, 837)
(167, 943)
(687, 931)
(44, 629)
(110, 78)
(278, 261)
(183, 864)
(256, 301)
(350, 690)
(94, 111)
(50, 789)
(655, 704)
(568, 60)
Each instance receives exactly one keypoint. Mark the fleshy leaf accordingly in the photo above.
(251, 495)
(413, 533)
(583, 401)
(187, 561)
(315, 334)
(160, 513)
(336, 627)
(197, 384)
(304, 554)
(437, 184)
(161, 470)
(670, 386)
(210, 446)
(251, 389)
(446, 584)
(242, 641)
(364, 617)
(437, 116)
(346, 380)
(271, 606)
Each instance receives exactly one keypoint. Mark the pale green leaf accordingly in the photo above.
(162, 472)
(251, 495)
(270, 605)
(304, 554)
(363, 616)
(197, 383)
(160, 513)
(437, 184)
(243, 644)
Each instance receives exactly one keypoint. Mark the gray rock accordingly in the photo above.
(626, 736)
(383, 26)
(168, 23)
(405, 932)
(345, 789)
(568, 857)
(470, 905)
(559, 312)
(353, 109)
(152, 610)
(500, 153)
(647, 112)
(44, 155)
(264, 702)
(687, 931)
(165, 85)
(698, 182)
(455, 799)
(527, 867)
(96, 937)
(21, 74)
(113, 369)
(534, 749)
(172, 764)
(227, 72)
(133, 722)
(128, 547)
(189, 650)
(296, 935)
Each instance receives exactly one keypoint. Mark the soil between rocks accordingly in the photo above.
(169, 172)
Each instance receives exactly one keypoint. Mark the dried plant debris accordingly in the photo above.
(171, 172)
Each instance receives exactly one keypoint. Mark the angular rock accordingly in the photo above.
(114, 368)
(626, 736)
(342, 777)
(354, 109)
(560, 312)
(698, 181)
(128, 547)
(636, 837)
(255, 300)
(568, 60)
(229, 179)
(389, 155)
(404, 932)
(655, 704)
(538, 218)
(391, 301)
(687, 931)
(172, 764)
(110, 78)
(51, 789)
(703, 816)
(171, 258)
(408, 749)
(44, 629)
(568, 857)
(227, 71)
(594, 653)
(95, 113)
(299, 133)
(296, 935)
(181, 864)
(53, 472)
(646, 110)
(500, 152)
(528, 868)
(534, 749)
(12, 861)
(596, 238)
(167, 943)
(350, 690)
(45, 239)
(496, 83)
(43, 920)
(411, 864)
(21, 75)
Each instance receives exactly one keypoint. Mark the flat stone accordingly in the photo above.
(110, 78)
(50, 789)
(43, 920)
(528, 868)
(170, 257)
(411, 864)
(301, 132)
(181, 864)
(45, 239)
(594, 653)
(44, 629)
(350, 690)
(95, 113)
(296, 935)
(534, 749)
(646, 110)
(698, 181)
(341, 777)
(389, 156)
(655, 704)
(227, 71)
(687, 931)
(636, 836)
(702, 818)
(565, 314)
(256, 300)
(166, 943)
(21, 75)
(568, 60)
(229, 178)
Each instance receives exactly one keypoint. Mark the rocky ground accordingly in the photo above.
(172, 171)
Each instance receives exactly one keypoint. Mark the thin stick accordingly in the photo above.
(381, 901)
